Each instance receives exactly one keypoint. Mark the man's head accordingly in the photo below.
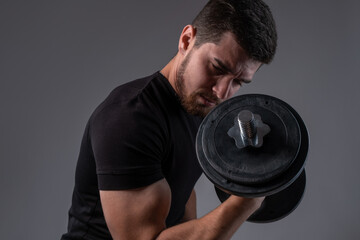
(250, 21)
(226, 44)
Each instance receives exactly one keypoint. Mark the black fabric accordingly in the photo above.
(137, 136)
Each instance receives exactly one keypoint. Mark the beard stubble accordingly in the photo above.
(189, 102)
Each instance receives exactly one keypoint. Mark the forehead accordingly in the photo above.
(228, 51)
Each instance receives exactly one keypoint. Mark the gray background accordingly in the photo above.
(60, 59)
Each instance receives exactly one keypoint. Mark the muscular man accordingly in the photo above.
(137, 165)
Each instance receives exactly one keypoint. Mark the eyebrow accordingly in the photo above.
(223, 65)
(227, 69)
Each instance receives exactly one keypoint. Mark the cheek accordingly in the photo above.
(197, 75)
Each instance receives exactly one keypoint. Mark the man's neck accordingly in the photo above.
(170, 71)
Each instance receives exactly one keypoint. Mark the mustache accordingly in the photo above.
(210, 96)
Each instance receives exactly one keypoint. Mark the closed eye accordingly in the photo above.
(218, 70)
(241, 81)
(238, 81)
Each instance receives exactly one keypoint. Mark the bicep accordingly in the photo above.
(137, 213)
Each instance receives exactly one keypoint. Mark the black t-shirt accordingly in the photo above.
(137, 136)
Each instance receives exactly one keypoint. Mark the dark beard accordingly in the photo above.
(189, 103)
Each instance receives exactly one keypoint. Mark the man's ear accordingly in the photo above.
(187, 39)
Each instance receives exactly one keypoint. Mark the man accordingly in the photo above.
(137, 165)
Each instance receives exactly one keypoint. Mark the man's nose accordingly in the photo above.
(222, 88)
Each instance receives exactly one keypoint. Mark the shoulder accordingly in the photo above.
(132, 113)
(138, 101)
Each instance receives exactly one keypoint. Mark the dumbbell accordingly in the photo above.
(255, 145)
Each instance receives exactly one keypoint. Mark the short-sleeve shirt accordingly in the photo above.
(137, 136)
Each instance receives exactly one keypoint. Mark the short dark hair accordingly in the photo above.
(251, 21)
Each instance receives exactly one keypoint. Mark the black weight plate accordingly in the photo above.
(271, 187)
(278, 205)
(251, 165)
(281, 204)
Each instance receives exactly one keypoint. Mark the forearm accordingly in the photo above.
(219, 224)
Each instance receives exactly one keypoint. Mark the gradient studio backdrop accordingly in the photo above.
(60, 59)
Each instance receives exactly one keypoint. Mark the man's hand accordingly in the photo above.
(247, 203)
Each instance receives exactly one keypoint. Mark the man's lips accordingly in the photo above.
(208, 101)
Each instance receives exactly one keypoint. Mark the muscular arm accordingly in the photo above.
(141, 214)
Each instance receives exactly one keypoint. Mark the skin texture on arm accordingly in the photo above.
(141, 214)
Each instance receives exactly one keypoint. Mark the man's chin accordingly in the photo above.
(199, 110)
(198, 105)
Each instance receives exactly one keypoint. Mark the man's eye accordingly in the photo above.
(218, 70)
(238, 82)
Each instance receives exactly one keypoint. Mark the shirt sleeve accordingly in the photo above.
(128, 143)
